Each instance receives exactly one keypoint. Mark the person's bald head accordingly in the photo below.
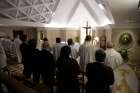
(110, 45)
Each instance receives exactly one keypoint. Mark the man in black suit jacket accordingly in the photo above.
(47, 69)
(24, 49)
(100, 76)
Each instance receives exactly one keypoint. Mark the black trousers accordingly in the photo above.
(48, 80)
(27, 71)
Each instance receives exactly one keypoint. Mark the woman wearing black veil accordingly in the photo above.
(67, 72)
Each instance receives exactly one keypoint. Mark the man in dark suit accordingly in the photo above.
(47, 68)
(100, 76)
(24, 49)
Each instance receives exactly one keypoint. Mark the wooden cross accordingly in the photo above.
(87, 27)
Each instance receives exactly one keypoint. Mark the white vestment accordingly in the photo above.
(17, 43)
(3, 60)
(74, 52)
(87, 55)
(113, 58)
(57, 49)
(125, 78)
(77, 45)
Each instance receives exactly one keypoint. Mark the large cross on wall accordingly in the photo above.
(87, 28)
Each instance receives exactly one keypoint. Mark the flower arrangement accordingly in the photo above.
(124, 53)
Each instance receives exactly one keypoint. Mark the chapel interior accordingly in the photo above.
(116, 21)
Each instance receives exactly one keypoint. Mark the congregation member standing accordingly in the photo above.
(34, 60)
(25, 57)
(74, 52)
(57, 48)
(10, 50)
(17, 43)
(47, 68)
(76, 43)
(100, 77)
(86, 53)
(3, 59)
(67, 72)
(46, 45)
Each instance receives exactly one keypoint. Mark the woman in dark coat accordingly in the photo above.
(67, 72)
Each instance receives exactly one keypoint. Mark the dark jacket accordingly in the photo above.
(67, 72)
(24, 53)
(47, 67)
(100, 77)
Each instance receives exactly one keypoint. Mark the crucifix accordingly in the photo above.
(87, 27)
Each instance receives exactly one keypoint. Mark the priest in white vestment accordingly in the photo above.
(113, 58)
(86, 53)
(126, 80)
(3, 60)
(57, 48)
(17, 43)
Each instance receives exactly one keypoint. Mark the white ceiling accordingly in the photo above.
(78, 12)
(120, 12)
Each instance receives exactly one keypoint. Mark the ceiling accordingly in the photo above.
(75, 12)
(122, 13)
(28, 10)
(125, 12)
